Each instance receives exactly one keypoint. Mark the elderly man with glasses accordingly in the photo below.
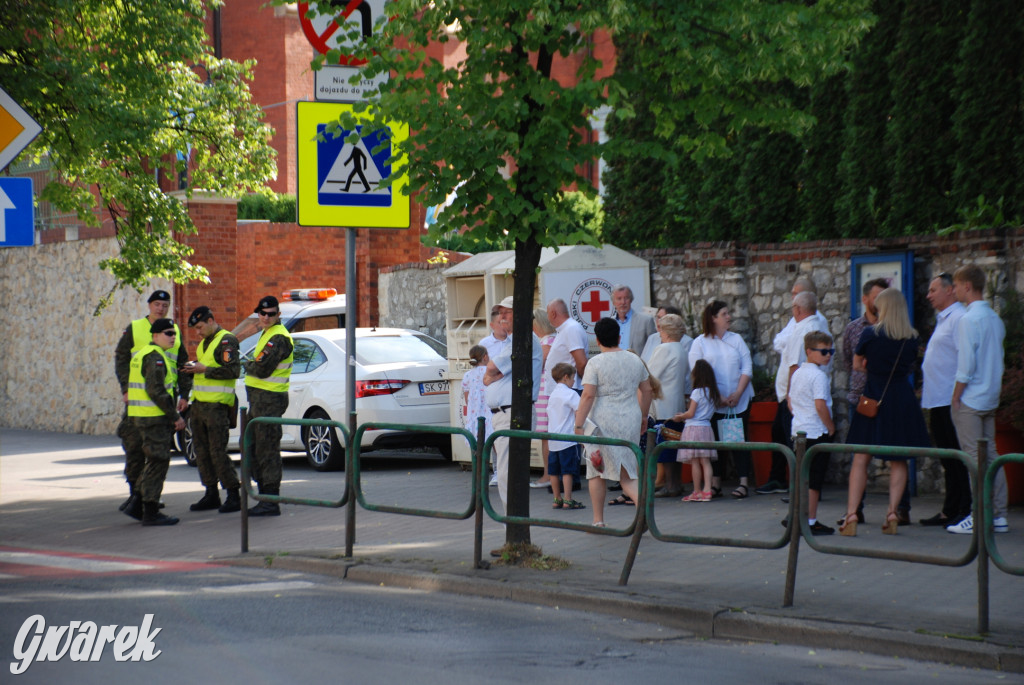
(266, 385)
(136, 336)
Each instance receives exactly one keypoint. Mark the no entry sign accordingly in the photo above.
(326, 24)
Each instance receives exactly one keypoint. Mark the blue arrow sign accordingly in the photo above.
(17, 213)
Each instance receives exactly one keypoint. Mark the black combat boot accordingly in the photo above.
(211, 500)
(133, 507)
(131, 491)
(151, 515)
(232, 502)
(266, 508)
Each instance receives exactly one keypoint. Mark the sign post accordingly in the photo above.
(339, 182)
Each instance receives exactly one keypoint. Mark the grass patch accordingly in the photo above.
(526, 555)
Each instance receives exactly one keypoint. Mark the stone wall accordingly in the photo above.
(58, 359)
(413, 296)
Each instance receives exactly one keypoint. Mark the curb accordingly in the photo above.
(717, 622)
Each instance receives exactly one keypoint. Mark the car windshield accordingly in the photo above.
(395, 348)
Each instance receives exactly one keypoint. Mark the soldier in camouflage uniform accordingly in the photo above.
(136, 336)
(266, 385)
(213, 403)
(151, 405)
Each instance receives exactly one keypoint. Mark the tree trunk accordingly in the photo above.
(524, 284)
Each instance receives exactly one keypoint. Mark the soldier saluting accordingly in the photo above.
(266, 386)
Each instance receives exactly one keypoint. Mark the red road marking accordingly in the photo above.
(35, 563)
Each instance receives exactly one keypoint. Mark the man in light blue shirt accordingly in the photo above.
(634, 327)
(979, 378)
(939, 372)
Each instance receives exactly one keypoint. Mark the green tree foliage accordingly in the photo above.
(511, 137)
(920, 132)
(705, 146)
(987, 121)
(819, 183)
(112, 84)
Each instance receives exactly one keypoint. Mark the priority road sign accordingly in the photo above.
(17, 213)
(339, 182)
(17, 129)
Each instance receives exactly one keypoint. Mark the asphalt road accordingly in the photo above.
(227, 625)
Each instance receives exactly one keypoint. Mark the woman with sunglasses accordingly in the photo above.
(887, 352)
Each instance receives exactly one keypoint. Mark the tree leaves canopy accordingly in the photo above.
(113, 85)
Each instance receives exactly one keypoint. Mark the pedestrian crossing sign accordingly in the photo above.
(339, 181)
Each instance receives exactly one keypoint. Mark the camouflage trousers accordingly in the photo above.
(131, 443)
(156, 433)
(210, 423)
(267, 437)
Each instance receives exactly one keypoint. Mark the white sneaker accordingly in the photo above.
(965, 527)
(539, 484)
(494, 480)
(1000, 524)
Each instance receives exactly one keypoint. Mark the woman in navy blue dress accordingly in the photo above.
(886, 350)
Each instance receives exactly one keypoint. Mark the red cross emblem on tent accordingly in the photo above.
(591, 301)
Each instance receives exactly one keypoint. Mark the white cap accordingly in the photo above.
(506, 303)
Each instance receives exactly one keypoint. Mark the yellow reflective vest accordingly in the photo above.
(139, 401)
(212, 389)
(142, 337)
(278, 379)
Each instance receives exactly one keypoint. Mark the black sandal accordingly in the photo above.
(736, 494)
(621, 499)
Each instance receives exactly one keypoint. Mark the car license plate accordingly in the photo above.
(434, 388)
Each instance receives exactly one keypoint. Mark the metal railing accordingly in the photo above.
(982, 545)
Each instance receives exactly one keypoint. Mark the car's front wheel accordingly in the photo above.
(324, 451)
(186, 444)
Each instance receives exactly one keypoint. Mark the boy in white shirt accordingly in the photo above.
(810, 401)
(563, 457)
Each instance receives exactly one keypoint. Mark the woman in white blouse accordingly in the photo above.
(729, 356)
(670, 366)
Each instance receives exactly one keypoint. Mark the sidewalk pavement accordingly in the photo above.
(61, 491)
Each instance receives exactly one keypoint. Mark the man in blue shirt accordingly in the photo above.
(979, 378)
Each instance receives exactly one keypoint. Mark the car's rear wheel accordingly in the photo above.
(186, 443)
(324, 451)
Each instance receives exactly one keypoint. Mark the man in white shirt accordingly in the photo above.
(777, 480)
(570, 343)
(939, 371)
(498, 339)
(498, 393)
(979, 379)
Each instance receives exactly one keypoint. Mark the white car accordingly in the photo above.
(400, 378)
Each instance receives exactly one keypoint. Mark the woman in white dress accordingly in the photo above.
(729, 356)
(612, 383)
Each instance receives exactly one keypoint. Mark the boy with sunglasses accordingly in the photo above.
(810, 400)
